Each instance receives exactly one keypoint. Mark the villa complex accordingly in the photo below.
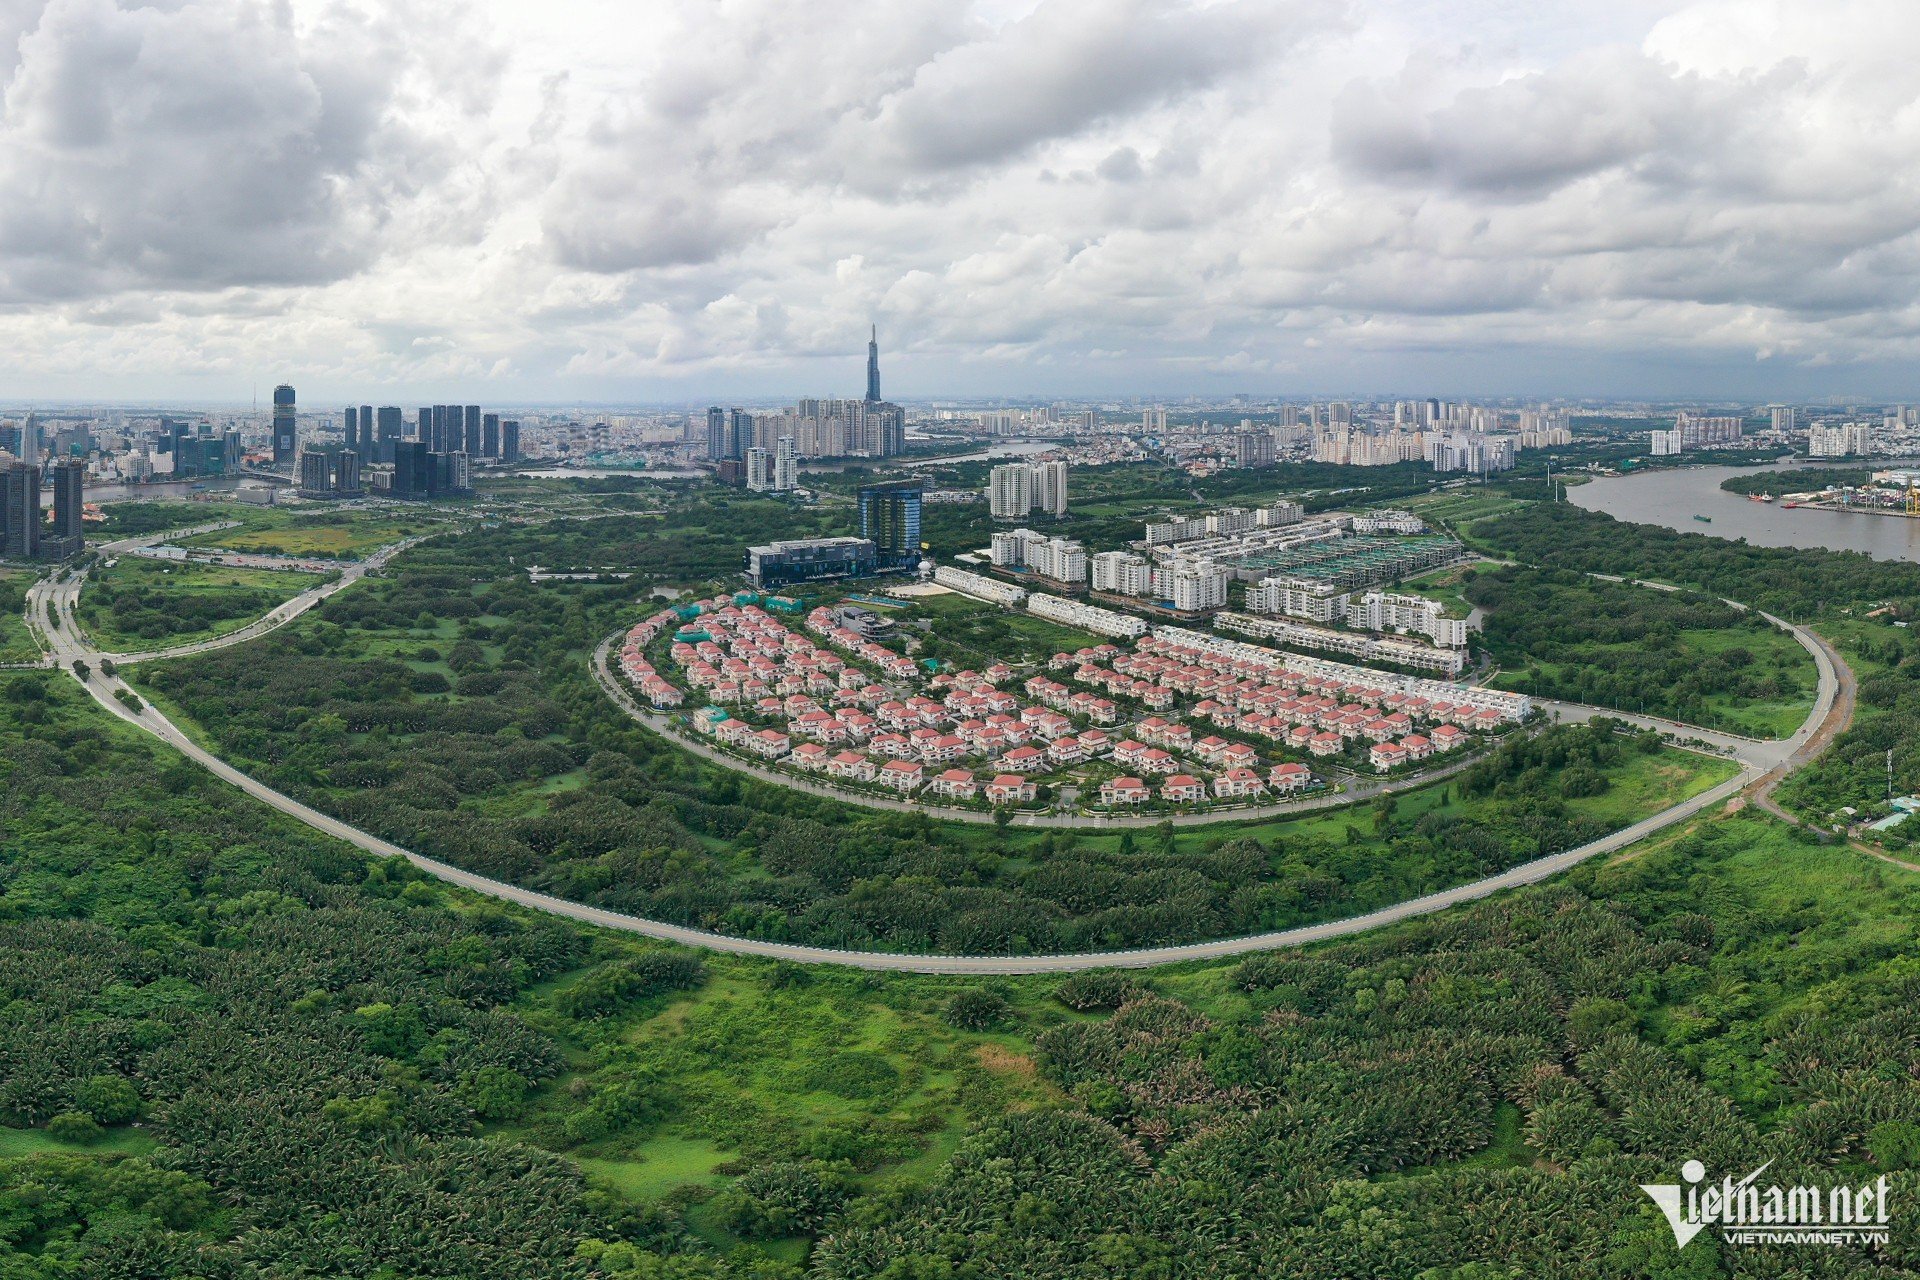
(1175, 716)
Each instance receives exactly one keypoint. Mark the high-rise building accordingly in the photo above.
(329, 473)
(890, 519)
(1050, 488)
(716, 433)
(364, 446)
(1010, 491)
(759, 470)
(873, 366)
(510, 440)
(1016, 489)
(390, 430)
(786, 465)
(353, 425)
(286, 436)
(490, 435)
(1781, 416)
(69, 498)
(19, 511)
(473, 435)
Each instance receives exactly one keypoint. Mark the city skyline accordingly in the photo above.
(1648, 199)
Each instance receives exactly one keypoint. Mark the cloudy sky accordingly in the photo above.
(634, 200)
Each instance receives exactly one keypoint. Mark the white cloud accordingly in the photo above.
(1131, 194)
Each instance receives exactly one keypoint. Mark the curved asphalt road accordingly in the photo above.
(50, 605)
(68, 643)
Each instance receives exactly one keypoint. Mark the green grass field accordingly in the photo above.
(135, 603)
(971, 632)
(342, 535)
(1444, 585)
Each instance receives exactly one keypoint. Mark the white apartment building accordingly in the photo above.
(1122, 572)
(1192, 586)
(979, 586)
(1010, 492)
(1385, 521)
(1667, 444)
(759, 470)
(1697, 431)
(1407, 615)
(1017, 489)
(786, 465)
(1300, 635)
(1087, 617)
(1161, 532)
(1061, 559)
(1050, 488)
(1843, 441)
(1780, 416)
(1297, 598)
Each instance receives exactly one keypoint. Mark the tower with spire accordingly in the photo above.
(873, 366)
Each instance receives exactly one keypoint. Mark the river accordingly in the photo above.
(1673, 497)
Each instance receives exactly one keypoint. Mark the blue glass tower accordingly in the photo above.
(890, 517)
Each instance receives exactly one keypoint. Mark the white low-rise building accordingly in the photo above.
(1087, 617)
(979, 586)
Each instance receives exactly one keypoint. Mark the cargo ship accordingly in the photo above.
(1704, 519)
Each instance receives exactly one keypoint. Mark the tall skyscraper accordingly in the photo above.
(353, 425)
(286, 438)
(391, 429)
(759, 470)
(716, 433)
(19, 511)
(890, 518)
(364, 446)
(1010, 491)
(786, 469)
(30, 441)
(1050, 487)
(471, 441)
(423, 424)
(873, 365)
(490, 435)
(69, 498)
(510, 440)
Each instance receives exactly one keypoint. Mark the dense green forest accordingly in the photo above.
(16, 642)
(1678, 654)
(449, 708)
(1881, 752)
(1803, 584)
(1796, 481)
(234, 1050)
(302, 1034)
